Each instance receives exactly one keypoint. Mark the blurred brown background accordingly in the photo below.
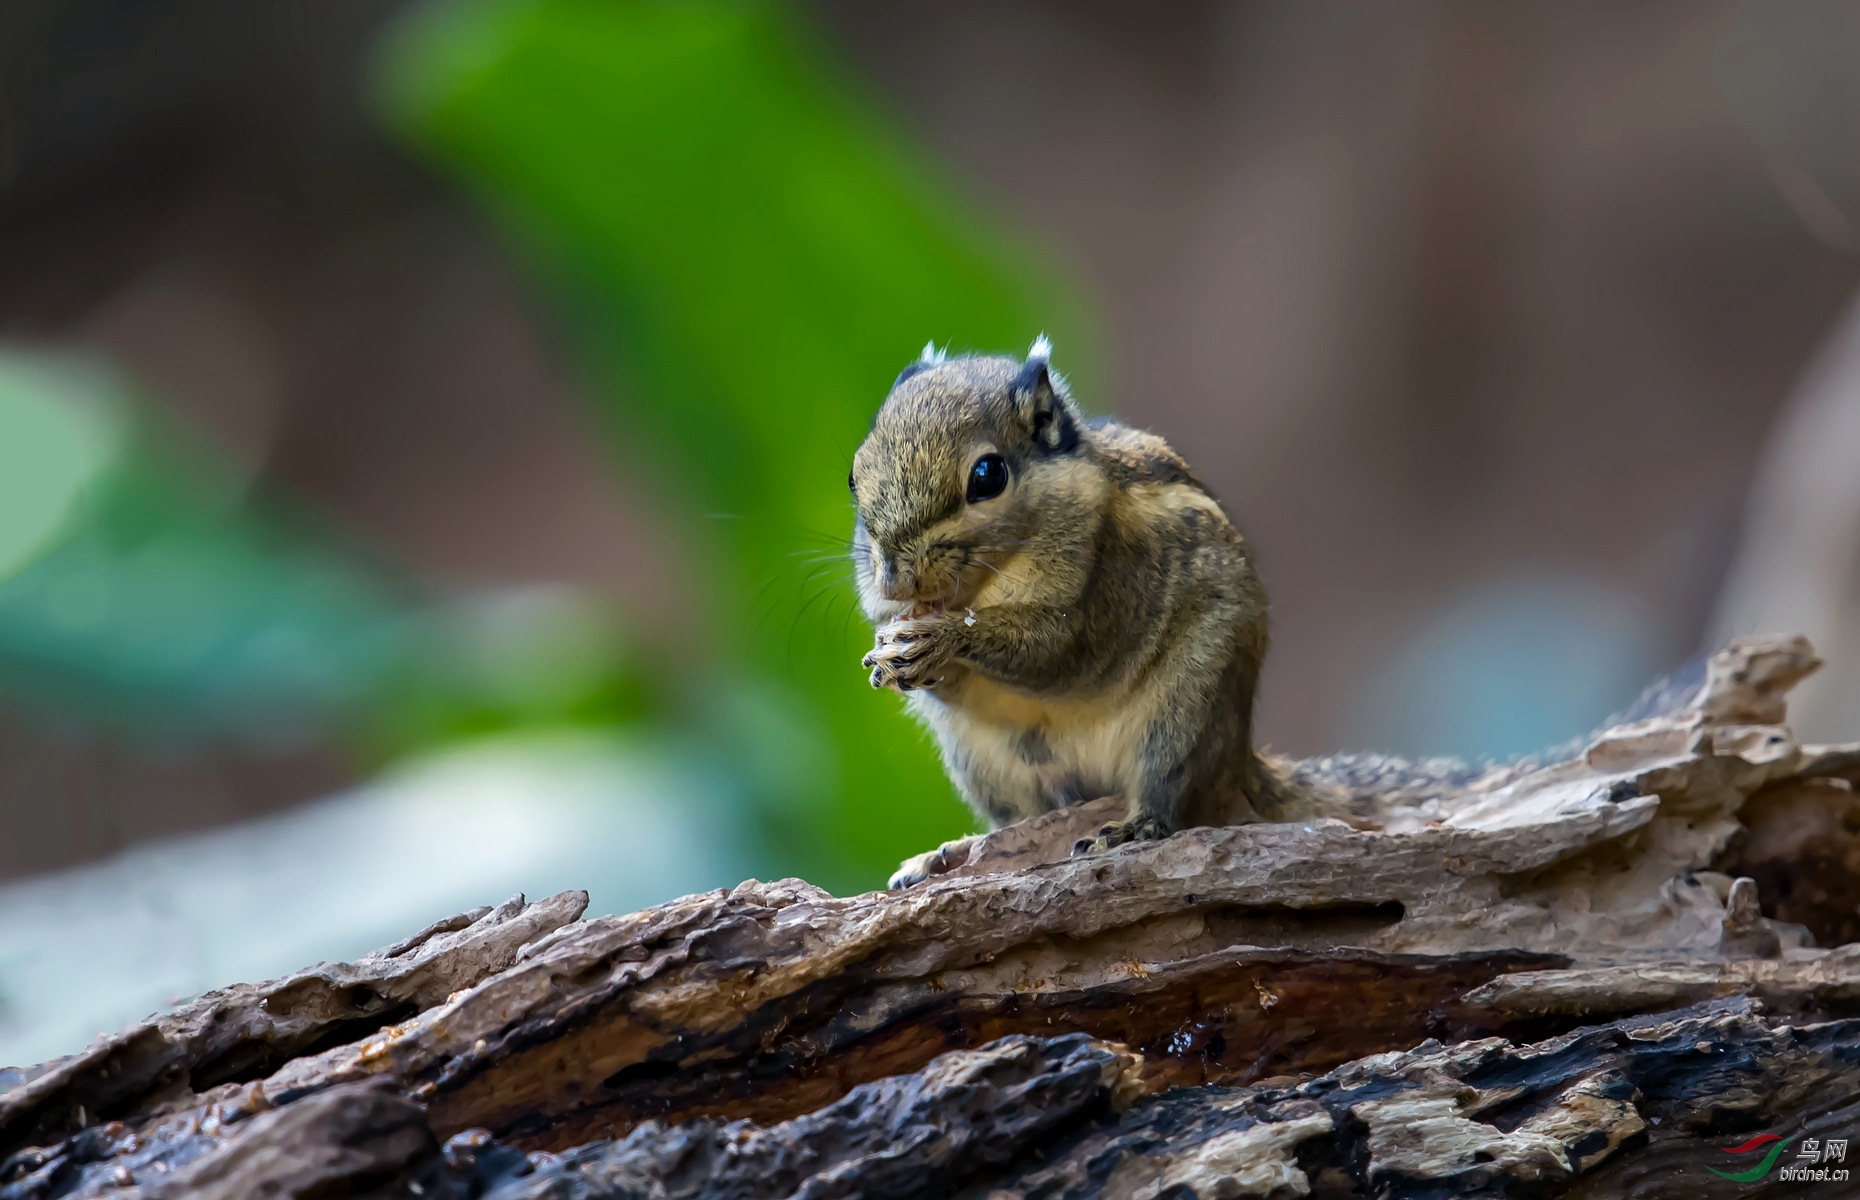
(1473, 313)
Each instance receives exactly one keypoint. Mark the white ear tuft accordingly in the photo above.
(931, 354)
(1041, 349)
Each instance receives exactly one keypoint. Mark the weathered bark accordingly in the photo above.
(1041, 1118)
(1335, 1005)
(247, 1031)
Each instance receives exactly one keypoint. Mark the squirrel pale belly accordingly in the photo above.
(1062, 603)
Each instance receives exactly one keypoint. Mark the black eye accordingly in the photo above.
(850, 485)
(987, 477)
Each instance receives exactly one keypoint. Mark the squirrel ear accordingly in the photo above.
(929, 358)
(1041, 400)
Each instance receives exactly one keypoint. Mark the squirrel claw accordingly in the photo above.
(940, 861)
(1117, 833)
(909, 655)
(885, 677)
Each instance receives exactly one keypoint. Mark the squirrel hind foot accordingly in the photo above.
(1140, 828)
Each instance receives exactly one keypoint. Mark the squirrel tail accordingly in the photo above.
(1283, 790)
(1350, 787)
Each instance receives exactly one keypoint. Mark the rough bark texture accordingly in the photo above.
(1586, 975)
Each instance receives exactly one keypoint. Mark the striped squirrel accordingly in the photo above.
(1063, 604)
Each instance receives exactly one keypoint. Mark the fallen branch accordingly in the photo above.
(1306, 965)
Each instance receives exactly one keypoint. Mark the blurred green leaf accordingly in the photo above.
(752, 256)
(152, 600)
(146, 592)
(57, 435)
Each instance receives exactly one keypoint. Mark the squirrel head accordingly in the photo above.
(961, 465)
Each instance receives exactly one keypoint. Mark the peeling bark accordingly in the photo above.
(246, 1031)
(1485, 982)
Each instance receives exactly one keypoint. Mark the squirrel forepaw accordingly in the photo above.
(940, 861)
(910, 654)
(1141, 828)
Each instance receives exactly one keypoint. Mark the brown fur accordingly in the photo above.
(1096, 628)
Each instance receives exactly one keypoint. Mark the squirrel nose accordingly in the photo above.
(892, 584)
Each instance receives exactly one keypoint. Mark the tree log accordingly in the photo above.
(1583, 975)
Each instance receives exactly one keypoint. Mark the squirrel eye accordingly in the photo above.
(987, 477)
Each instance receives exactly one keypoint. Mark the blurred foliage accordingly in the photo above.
(750, 255)
(144, 590)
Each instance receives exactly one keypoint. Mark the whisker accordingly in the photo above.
(831, 539)
(817, 559)
(768, 598)
(800, 613)
(853, 609)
